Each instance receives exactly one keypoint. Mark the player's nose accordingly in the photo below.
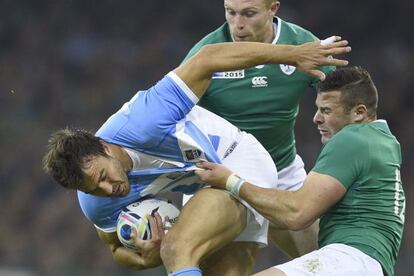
(239, 21)
(317, 118)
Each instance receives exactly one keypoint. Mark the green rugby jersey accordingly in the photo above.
(263, 100)
(366, 159)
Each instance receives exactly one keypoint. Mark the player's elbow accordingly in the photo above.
(204, 58)
(298, 219)
(207, 50)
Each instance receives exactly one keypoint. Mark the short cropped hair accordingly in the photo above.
(356, 87)
(270, 2)
(67, 151)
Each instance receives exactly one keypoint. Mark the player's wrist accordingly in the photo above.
(234, 183)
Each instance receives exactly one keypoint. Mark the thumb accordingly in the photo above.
(200, 173)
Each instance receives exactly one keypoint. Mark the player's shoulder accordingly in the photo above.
(354, 135)
(92, 207)
(291, 33)
(221, 34)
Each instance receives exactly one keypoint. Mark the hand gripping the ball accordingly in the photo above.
(149, 250)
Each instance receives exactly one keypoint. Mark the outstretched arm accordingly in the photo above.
(308, 57)
(287, 210)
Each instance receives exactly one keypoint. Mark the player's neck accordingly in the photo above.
(270, 34)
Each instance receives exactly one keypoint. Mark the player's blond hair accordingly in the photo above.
(270, 2)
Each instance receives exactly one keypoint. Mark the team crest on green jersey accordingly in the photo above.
(287, 69)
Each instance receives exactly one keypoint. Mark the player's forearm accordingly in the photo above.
(308, 57)
(238, 55)
(197, 71)
(283, 208)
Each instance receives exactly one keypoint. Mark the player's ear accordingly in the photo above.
(359, 113)
(106, 147)
(274, 7)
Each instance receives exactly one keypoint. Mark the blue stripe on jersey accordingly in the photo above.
(167, 179)
(215, 141)
(203, 141)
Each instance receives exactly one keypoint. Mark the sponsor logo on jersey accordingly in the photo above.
(230, 149)
(287, 69)
(192, 154)
(259, 81)
(238, 74)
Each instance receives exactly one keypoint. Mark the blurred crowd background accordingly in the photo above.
(76, 62)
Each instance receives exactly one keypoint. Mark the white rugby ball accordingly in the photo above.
(135, 215)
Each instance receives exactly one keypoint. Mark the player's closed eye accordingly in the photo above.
(249, 14)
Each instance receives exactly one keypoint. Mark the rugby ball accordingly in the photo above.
(135, 216)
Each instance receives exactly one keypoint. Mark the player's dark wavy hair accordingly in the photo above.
(67, 151)
(356, 87)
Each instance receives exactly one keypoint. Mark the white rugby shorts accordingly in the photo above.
(292, 177)
(333, 260)
(252, 162)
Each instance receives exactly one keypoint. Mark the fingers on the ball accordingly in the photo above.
(156, 225)
(160, 226)
(140, 244)
(158, 216)
(158, 222)
(152, 223)
(133, 232)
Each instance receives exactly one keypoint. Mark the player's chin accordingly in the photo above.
(325, 138)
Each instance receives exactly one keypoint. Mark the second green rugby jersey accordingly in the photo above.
(263, 100)
(366, 159)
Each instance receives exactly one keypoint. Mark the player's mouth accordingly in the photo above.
(119, 190)
(241, 37)
(125, 189)
(323, 132)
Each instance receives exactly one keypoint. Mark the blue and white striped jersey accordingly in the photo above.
(164, 122)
